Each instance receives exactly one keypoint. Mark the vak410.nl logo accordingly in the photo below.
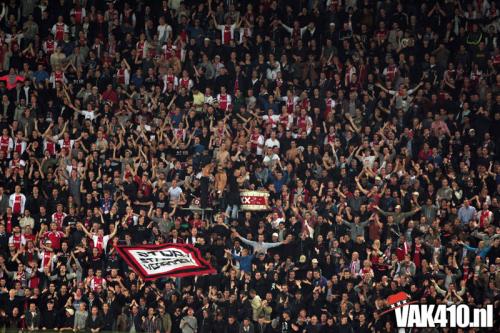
(411, 315)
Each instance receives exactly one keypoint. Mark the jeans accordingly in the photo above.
(232, 211)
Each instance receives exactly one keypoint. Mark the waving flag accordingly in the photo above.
(397, 300)
(165, 260)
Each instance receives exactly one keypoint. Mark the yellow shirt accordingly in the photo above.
(198, 100)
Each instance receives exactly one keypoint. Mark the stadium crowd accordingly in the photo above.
(373, 125)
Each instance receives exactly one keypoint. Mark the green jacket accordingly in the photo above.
(166, 323)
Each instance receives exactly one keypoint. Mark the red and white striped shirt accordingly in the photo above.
(224, 101)
(227, 32)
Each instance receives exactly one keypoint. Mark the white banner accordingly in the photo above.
(165, 260)
(254, 200)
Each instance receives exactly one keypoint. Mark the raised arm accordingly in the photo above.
(86, 231)
(363, 190)
(365, 223)
(351, 122)
(287, 28)
(347, 223)
(113, 234)
(411, 91)
(244, 240)
(215, 21)
(382, 87)
(382, 212)
(271, 245)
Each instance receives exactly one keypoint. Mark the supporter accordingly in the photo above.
(373, 126)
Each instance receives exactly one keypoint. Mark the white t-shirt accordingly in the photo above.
(270, 160)
(260, 141)
(88, 114)
(368, 161)
(273, 120)
(175, 193)
(270, 143)
(164, 32)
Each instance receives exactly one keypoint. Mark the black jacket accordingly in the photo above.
(32, 320)
(137, 321)
(233, 193)
(49, 319)
(108, 321)
(93, 323)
